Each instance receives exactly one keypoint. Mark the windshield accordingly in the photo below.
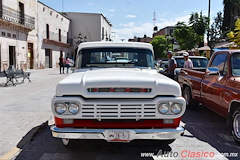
(236, 64)
(115, 57)
(197, 62)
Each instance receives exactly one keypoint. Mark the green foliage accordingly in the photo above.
(186, 36)
(234, 36)
(192, 35)
(215, 31)
(231, 10)
(160, 46)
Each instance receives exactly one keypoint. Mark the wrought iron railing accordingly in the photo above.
(14, 16)
(56, 37)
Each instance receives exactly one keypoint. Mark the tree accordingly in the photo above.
(186, 37)
(234, 36)
(215, 31)
(231, 12)
(199, 24)
(160, 46)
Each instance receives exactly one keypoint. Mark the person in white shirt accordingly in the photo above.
(187, 62)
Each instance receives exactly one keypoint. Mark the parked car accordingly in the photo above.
(199, 63)
(161, 67)
(117, 102)
(217, 88)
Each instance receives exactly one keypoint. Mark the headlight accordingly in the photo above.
(163, 108)
(73, 108)
(60, 108)
(176, 108)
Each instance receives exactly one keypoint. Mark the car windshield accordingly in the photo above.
(197, 62)
(115, 57)
(236, 64)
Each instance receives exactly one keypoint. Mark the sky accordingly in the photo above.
(131, 18)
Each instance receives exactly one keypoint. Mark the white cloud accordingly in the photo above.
(131, 16)
(131, 29)
(111, 10)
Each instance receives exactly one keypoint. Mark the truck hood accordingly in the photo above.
(78, 83)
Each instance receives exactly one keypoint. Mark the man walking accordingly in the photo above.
(172, 64)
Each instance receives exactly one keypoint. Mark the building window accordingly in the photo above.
(102, 33)
(51, 12)
(44, 8)
(14, 36)
(3, 34)
(57, 16)
(21, 12)
(9, 34)
(47, 31)
(1, 8)
(59, 35)
(61, 19)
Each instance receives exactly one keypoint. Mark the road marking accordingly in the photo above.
(11, 154)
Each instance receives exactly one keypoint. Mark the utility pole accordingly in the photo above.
(209, 10)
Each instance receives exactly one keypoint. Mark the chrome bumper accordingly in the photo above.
(154, 134)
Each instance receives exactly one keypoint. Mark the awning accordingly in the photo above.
(204, 48)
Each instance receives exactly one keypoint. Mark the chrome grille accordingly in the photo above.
(120, 111)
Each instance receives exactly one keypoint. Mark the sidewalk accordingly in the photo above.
(25, 106)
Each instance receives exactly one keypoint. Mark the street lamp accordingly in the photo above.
(78, 40)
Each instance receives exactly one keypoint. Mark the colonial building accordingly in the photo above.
(92, 26)
(53, 37)
(17, 19)
(33, 35)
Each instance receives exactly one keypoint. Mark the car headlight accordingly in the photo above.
(163, 108)
(176, 108)
(73, 108)
(60, 108)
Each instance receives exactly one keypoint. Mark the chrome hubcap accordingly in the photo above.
(236, 127)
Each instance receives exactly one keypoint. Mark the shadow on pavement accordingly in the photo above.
(44, 147)
(210, 127)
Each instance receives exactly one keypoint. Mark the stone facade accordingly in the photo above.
(17, 19)
(53, 29)
(33, 35)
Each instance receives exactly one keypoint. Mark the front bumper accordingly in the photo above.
(150, 134)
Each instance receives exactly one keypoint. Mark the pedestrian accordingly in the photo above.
(61, 63)
(187, 62)
(172, 64)
(67, 63)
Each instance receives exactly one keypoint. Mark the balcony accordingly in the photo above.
(55, 39)
(9, 16)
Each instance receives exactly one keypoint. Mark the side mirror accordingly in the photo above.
(212, 71)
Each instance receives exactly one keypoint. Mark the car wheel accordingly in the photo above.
(187, 94)
(236, 125)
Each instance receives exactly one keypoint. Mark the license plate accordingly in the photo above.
(118, 136)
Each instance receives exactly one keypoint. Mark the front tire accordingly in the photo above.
(236, 125)
(187, 94)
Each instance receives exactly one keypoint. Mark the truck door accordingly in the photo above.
(212, 85)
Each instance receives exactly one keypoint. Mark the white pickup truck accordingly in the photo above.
(115, 94)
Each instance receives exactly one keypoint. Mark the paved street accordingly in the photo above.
(25, 107)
